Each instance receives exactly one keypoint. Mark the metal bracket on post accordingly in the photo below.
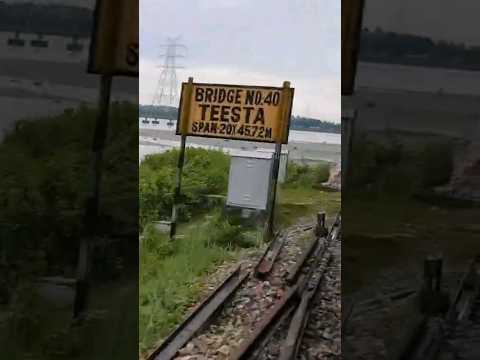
(184, 113)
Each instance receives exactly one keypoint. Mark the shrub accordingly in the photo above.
(218, 231)
(157, 243)
(301, 175)
(205, 172)
(48, 169)
(321, 173)
(394, 169)
(437, 164)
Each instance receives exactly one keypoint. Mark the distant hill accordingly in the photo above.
(46, 19)
(297, 122)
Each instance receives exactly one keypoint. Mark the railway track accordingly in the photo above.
(428, 324)
(272, 309)
(457, 334)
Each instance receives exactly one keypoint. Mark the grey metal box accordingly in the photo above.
(249, 181)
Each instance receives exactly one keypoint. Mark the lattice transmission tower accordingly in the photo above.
(166, 92)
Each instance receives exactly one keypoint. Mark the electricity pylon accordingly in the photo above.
(166, 92)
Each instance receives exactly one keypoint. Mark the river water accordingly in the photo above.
(304, 146)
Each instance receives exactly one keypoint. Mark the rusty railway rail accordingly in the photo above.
(300, 318)
(249, 346)
(297, 301)
(435, 329)
(266, 262)
(293, 304)
(199, 317)
(310, 288)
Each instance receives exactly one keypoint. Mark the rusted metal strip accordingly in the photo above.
(295, 331)
(295, 270)
(289, 350)
(470, 281)
(199, 317)
(268, 259)
(432, 332)
(247, 347)
(319, 253)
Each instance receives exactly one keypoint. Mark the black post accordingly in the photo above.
(91, 214)
(321, 228)
(178, 186)
(348, 126)
(274, 182)
(184, 113)
(433, 299)
(281, 136)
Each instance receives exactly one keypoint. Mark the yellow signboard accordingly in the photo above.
(114, 45)
(253, 113)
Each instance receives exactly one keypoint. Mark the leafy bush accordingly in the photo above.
(220, 232)
(371, 158)
(205, 172)
(321, 173)
(47, 172)
(301, 175)
(295, 172)
(157, 243)
(437, 164)
(394, 169)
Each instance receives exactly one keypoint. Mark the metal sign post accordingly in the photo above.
(283, 125)
(113, 51)
(91, 215)
(274, 182)
(349, 115)
(352, 15)
(183, 115)
(178, 184)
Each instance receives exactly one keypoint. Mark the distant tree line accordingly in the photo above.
(395, 48)
(46, 19)
(309, 124)
(296, 123)
(160, 112)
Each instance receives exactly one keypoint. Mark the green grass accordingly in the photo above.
(40, 328)
(172, 274)
(295, 203)
(169, 284)
(388, 232)
(47, 176)
(391, 218)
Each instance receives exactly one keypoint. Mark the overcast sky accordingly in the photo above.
(249, 42)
